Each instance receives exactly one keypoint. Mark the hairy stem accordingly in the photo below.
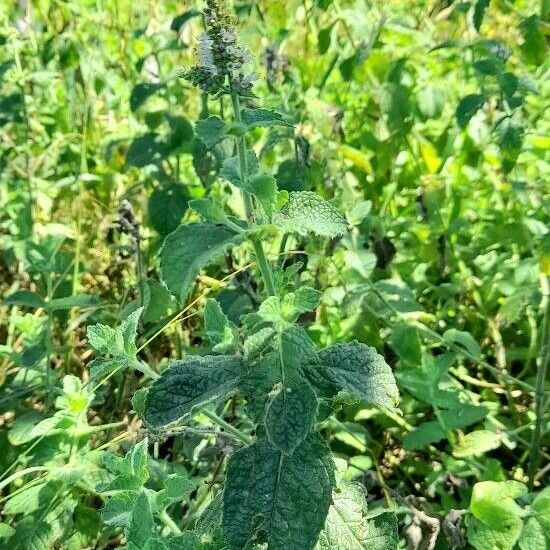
(534, 451)
(265, 267)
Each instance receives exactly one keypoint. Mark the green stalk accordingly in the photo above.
(265, 267)
(236, 433)
(534, 451)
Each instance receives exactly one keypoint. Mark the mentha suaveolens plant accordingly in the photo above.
(282, 490)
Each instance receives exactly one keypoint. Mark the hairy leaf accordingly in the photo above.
(358, 370)
(210, 130)
(277, 499)
(306, 212)
(188, 384)
(190, 248)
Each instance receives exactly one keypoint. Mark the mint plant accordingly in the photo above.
(279, 485)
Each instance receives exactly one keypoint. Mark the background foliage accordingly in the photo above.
(424, 122)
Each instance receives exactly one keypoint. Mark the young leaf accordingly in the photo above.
(468, 107)
(217, 327)
(287, 496)
(190, 248)
(357, 370)
(188, 384)
(262, 117)
(210, 130)
(306, 212)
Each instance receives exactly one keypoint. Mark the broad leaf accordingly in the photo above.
(468, 107)
(188, 384)
(262, 117)
(190, 248)
(231, 170)
(287, 496)
(166, 206)
(358, 370)
(290, 413)
(210, 130)
(306, 212)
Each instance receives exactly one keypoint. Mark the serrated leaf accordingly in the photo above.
(262, 117)
(382, 532)
(290, 413)
(209, 208)
(306, 212)
(140, 529)
(468, 107)
(190, 248)
(210, 130)
(191, 383)
(358, 370)
(217, 326)
(231, 170)
(287, 496)
(346, 524)
(117, 511)
(264, 186)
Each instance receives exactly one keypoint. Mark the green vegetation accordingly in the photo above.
(274, 275)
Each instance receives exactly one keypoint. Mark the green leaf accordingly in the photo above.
(179, 21)
(346, 527)
(6, 531)
(324, 39)
(218, 328)
(482, 537)
(494, 502)
(78, 300)
(468, 107)
(264, 186)
(290, 413)
(191, 383)
(262, 117)
(147, 149)
(358, 370)
(541, 507)
(477, 443)
(306, 212)
(141, 93)
(190, 248)
(231, 171)
(510, 139)
(534, 45)
(210, 130)
(382, 532)
(117, 511)
(287, 496)
(25, 298)
(406, 343)
(533, 536)
(210, 208)
(423, 435)
(141, 526)
(166, 206)
(479, 13)
(464, 340)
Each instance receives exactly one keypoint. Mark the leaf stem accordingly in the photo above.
(242, 437)
(265, 267)
(534, 451)
(21, 473)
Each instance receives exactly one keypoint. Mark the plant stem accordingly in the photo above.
(534, 451)
(22, 473)
(242, 437)
(169, 522)
(265, 267)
